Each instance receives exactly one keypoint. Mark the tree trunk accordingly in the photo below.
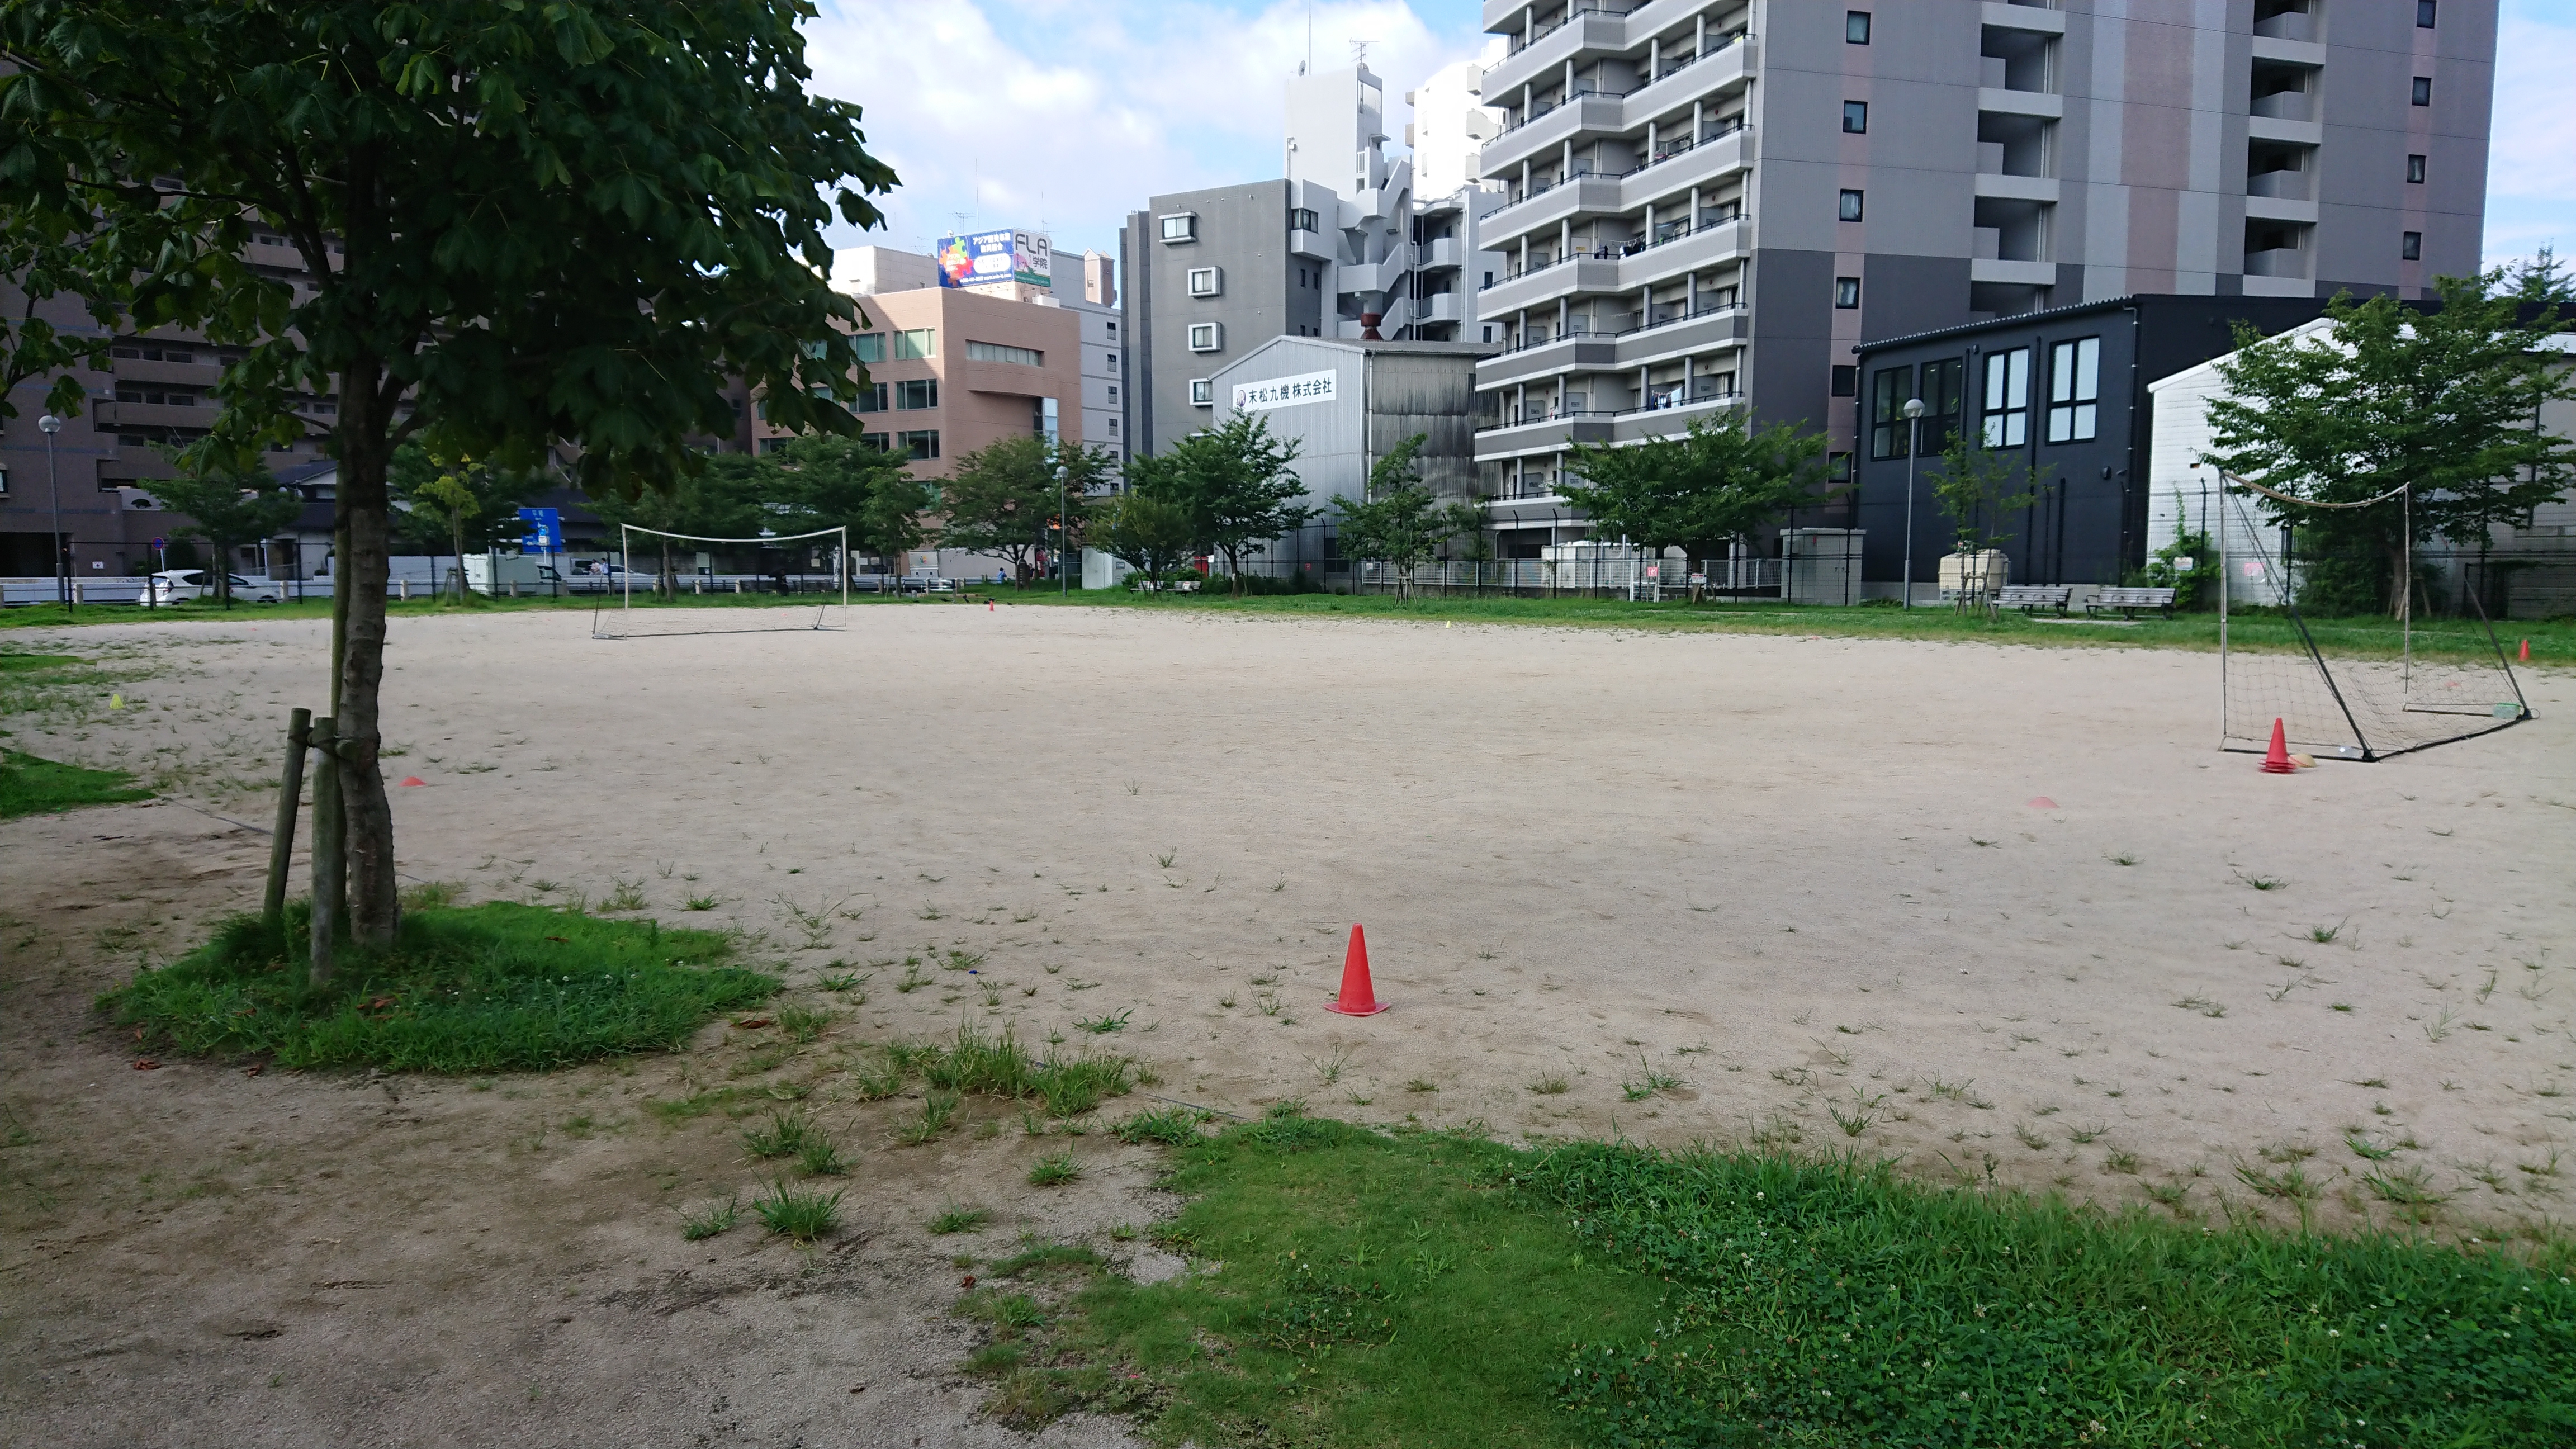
(363, 508)
(669, 584)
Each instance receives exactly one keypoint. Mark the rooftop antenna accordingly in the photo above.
(1359, 51)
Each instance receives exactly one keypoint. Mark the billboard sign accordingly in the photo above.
(985, 258)
(1286, 392)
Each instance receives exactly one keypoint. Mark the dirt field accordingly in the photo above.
(1993, 912)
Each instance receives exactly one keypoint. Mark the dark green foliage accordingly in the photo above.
(1003, 499)
(1398, 522)
(1700, 489)
(821, 481)
(1835, 1303)
(32, 786)
(1145, 531)
(1234, 483)
(498, 987)
(227, 504)
(2444, 403)
(1980, 488)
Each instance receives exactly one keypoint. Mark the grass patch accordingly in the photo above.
(489, 988)
(803, 1214)
(1055, 1169)
(1437, 1289)
(717, 1218)
(32, 786)
(959, 1220)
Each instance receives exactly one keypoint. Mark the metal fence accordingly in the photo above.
(1809, 566)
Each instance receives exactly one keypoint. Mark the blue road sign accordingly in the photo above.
(541, 530)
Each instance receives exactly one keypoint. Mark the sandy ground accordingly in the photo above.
(1987, 911)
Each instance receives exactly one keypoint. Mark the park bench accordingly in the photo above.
(2130, 601)
(2027, 597)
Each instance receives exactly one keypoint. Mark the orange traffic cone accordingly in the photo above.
(2526, 653)
(2276, 761)
(1357, 997)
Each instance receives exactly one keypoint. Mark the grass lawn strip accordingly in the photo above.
(1352, 1287)
(33, 786)
(488, 988)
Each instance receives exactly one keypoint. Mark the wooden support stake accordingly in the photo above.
(330, 857)
(290, 786)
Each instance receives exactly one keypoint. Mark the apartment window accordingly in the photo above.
(1856, 26)
(1000, 352)
(2423, 90)
(919, 392)
(1207, 336)
(1046, 418)
(1113, 329)
(1113, 360)
(872, 399)
(1205, 282)
(1846, 381)
(1890, 388)
(2415, 170)
(155, 396)
(1113, 392)
(871, 346)
(2424, 14)
(1856, 117)
(1851, 206)
(2074, 390)
(1181, 226)
(1489, 334)
(2007, 404)
(921, 445)
(1113, 427)
(1846, 292)
(774, 445)
(918, 344)
(882, 442)
(2410, 246)
(1301, 218)
(1202, 392)
(140, 353)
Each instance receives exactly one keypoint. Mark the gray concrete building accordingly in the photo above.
(1347, 404)
(1710, 203)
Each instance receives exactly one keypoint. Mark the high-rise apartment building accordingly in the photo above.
(1711, 202)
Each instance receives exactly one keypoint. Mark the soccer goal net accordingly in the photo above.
(2348, 688)
(666, 584)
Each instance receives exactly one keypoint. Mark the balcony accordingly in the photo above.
(2002, 16)
(1314, 246)
(1622, 268)
(1445, 307)
(2288, 25)
(2286, 106)
(1447, 251)
(1996, 100)
(2277, 262)
(1544, 433)
(2287, 184)
(1588, 26)
(1996, 185)
(2011, 273)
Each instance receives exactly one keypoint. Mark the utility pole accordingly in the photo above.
(1913, 445)
(1063, 578)
(54, 484)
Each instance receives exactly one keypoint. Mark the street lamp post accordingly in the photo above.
(1063, 579)
(1913, 445)
(54, 485)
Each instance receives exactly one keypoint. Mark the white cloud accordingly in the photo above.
(1009, 112)
(2531, 170)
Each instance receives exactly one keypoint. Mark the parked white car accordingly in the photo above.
(172, 586)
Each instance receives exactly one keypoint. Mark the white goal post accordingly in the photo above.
(652, 621)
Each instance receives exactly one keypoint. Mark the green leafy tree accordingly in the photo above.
(231, 509)
(728, 497)
(823, 481)
(1700, 489)
(1235, 481)
(1397, 522)
(1144, 530)
(1979, 488)
(53, 265)
(2445, 404)
(455, 504)
(523, 224)
(1003, 499)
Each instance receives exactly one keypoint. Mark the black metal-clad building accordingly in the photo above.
(2065, 388)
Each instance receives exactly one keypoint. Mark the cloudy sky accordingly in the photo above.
(1069, 113)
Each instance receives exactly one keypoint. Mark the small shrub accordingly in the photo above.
(785, 1134)
(804, 1024)
(1054, 1169)
(959, 1220)
(821, 1156)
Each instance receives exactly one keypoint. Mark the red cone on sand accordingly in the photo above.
(2526, 653)
(414, 780)
(2276, 760)
(988, 606)
(1358, 997)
